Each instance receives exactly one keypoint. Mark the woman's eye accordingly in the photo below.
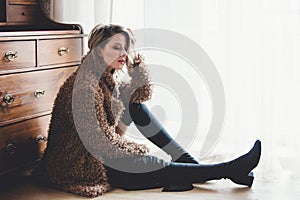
(117, 48)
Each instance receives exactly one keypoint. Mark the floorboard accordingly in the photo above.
(214, 190)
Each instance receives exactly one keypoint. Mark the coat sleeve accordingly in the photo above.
(90, 120)
(139, 89)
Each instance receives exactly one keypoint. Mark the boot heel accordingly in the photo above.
(244, 180)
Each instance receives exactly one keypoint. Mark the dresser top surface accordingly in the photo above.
(29, 35)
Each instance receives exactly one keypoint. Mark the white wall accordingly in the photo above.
(254, 45)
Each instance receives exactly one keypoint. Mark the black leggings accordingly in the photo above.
(145, 172)
(142, 179)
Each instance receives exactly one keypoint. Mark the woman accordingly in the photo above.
(87, 153)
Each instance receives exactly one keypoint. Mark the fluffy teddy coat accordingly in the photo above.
(82, 129)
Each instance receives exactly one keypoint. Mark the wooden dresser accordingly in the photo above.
(36, 56)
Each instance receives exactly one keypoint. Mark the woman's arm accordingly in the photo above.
(89, 116)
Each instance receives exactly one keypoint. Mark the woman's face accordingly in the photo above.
(114, 53)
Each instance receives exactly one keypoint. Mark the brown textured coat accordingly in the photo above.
(82, 128)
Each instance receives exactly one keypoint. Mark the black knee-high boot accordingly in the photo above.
(152, 130)
(238, 170)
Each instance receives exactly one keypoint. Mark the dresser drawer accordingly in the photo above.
(31, 93)
(23, 142)
(58, 51)
(21, 13)
(17, 54)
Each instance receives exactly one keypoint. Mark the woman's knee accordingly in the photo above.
(139, 114)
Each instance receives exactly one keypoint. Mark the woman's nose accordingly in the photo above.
(123, 53)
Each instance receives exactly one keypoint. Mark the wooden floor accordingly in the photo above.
(214, 190)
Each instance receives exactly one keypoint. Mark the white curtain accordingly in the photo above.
(254, 45)
(87, 13)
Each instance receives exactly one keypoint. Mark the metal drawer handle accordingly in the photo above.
(63, 51)
(11, 149)
(8, 99)
(10, 55)
(39, 139)
(39, 93)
